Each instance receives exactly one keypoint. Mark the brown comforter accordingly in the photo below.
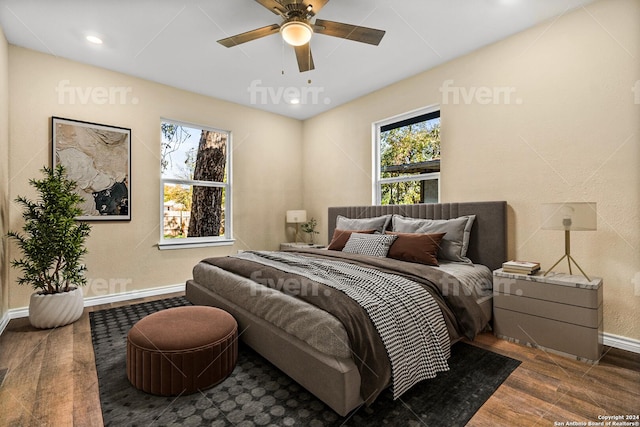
(461, 313)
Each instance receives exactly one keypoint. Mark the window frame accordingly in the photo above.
(376, 131)
(200, 242)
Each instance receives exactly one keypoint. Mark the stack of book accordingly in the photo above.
(521, 267)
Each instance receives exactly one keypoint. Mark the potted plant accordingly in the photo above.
(52, 245)
(309, 227)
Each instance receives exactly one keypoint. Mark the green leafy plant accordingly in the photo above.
(52, 242)
(309, 227)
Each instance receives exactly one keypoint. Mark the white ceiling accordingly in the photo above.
(174, 42)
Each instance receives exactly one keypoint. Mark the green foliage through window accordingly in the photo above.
(410, 148)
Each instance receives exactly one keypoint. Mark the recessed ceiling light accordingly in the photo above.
(94, 39)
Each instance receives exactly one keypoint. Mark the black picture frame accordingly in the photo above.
(98, 158)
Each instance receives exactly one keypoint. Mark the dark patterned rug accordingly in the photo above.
(258, 394)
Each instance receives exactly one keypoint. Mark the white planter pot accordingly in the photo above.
(53, 310)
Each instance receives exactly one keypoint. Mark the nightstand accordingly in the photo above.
(284, 246)
(559, 312)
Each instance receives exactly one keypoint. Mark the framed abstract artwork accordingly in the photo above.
(98, 158)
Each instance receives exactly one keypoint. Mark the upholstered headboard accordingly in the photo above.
(488, 242)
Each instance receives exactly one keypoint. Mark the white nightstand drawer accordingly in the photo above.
(581, 316)
(579, 341)
(535, 287)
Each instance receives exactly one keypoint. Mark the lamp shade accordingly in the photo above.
(575, 216)
(298, 216)
(296, 33)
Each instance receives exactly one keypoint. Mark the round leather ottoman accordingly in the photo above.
(181, 350)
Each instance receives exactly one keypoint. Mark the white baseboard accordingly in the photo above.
(620, 342)
(4, 322)
(126, 296)
(17, 313)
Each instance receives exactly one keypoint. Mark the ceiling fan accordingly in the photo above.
(297, 28)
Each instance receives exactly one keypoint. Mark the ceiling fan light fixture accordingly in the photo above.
(296, 33)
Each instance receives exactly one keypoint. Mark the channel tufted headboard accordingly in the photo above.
(488, 242)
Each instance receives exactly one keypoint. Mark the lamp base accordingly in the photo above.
(569, 260)
(567, 255)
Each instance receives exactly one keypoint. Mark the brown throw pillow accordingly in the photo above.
(416, 247)
(340, 238)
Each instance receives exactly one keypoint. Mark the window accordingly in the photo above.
(195, 186)
(407, 158)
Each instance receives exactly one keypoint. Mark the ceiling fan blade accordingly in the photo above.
(273, 6)
(249, 35)
(348, 31)
(316, 5)
(304, 57)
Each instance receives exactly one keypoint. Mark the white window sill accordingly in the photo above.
(189, 245)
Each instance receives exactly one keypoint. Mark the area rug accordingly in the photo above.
(258, 394)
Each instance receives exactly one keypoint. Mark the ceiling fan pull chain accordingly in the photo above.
(282, 58)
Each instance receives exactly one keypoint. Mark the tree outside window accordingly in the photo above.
(195, 165)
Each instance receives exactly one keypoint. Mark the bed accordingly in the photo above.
(307, 343)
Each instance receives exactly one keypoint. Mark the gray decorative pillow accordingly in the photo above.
(369, 244)
(379, 223)
(455, 243)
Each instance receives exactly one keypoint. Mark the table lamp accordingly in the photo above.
(296, 217)
(575, 216)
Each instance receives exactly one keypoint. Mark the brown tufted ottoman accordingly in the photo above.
(181, 350)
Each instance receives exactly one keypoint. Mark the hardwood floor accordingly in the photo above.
(547, 388)
(51, 378)
(51, 381)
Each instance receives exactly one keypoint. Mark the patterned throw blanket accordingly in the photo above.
(405, 315)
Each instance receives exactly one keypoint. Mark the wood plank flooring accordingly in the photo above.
(52, 381)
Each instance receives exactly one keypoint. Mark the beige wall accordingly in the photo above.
(4, 169)
(124, 254)
(568, 131)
